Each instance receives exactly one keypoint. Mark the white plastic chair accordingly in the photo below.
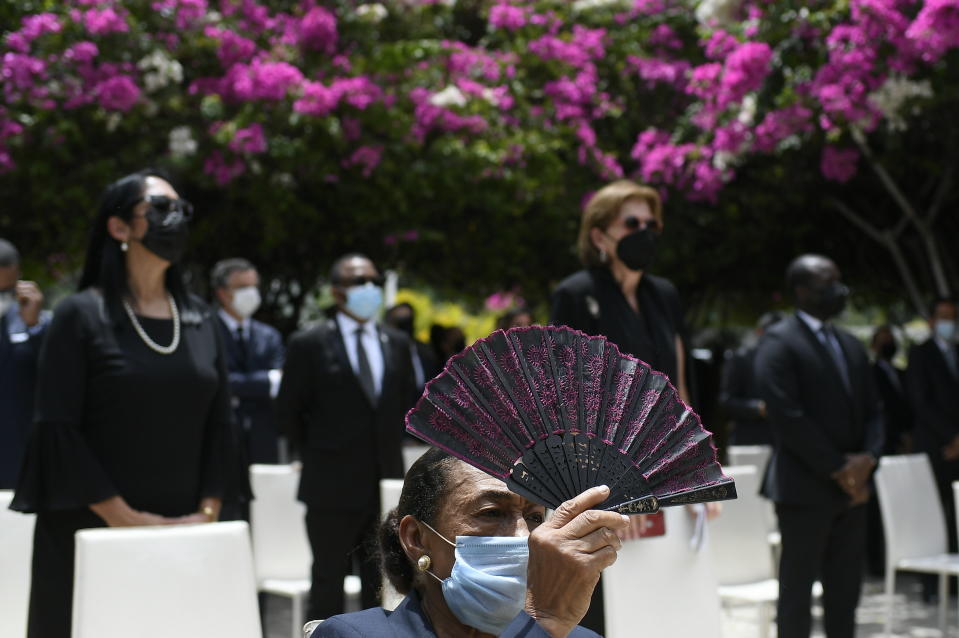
(16, 543)
(189, 581)
(411, 453)
(741, 554)
(660, 586)
(914, 526)
(281, 549)
(759, 455)
(390, 490)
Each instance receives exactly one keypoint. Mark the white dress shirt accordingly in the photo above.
(371, 344)
(232, 324)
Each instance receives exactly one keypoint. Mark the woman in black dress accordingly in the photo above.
(614, 296)
(132, 424)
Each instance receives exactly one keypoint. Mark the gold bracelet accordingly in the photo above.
(208, 511)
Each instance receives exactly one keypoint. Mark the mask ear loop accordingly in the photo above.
(426, 570)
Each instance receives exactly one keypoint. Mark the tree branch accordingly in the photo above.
(857, 219)
(945, 185)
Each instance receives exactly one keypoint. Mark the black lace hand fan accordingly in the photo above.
(552, 412)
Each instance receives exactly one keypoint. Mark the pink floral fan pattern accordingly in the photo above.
(553, 411)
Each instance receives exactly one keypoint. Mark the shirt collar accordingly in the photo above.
(348, 325)
(232, 323)
(814, 324)
(943, 346)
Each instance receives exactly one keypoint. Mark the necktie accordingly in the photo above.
(365, 373)
(241, 346)
(835, 350)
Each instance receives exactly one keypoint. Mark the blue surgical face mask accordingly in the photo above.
(946, 330)
(364, 301)
(487, 587)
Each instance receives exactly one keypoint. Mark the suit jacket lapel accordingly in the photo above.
(389, 362)
(824, 356)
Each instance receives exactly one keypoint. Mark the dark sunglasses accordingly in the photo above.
(360, 280)
(633, 223)
(167, 205)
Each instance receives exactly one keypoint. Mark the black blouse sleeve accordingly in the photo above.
(59, 470)
(569, 306)
(224, 473)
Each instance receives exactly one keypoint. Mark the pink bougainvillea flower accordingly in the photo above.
(839, 164)
(249, 140)
(505, 16)
(221, 170)
(117, 93)
(102, 21)
(366, 157)
(316, 100)
(317, 31)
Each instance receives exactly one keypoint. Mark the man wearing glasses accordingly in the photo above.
(347, 384)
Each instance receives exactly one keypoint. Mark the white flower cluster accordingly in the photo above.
(374, 12)
(450, 96)
(159, 71)
(588, 5)
(717, 13)
(182, 143)
(893, 95)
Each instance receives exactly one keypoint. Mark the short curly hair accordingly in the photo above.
(425, 490)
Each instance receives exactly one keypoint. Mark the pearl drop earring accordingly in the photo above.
(423, 563)
(124, 246)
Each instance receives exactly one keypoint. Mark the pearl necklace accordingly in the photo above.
(153, 345)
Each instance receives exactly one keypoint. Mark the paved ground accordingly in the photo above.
(913, 618)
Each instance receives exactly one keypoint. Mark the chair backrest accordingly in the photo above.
(281, 548)
(189, 581)
(757, 455)
(411, 453)
(912, 517)
(16, 541)
(955, 500)
(390, 490)
(738, 536)
(660, 586)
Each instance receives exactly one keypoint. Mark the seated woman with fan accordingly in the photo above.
(475, 559)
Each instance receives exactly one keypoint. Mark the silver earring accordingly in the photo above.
(423, 563)
(602, 256)
(124, 246)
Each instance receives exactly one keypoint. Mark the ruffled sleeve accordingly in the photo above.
(59, 470)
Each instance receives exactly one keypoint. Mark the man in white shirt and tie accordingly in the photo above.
(827, 425)
(347, 384)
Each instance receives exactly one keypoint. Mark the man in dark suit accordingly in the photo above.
(22, 326)
(347, 385)
(897, 416)
(402, 317)
(254, 356)
(933, 384)
(891, 385)
(738, 394)
(826, 422)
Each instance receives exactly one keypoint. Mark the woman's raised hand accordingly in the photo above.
(567, 553)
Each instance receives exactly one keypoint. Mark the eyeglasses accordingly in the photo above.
(634, 223)
(168, 205)
(361, 280)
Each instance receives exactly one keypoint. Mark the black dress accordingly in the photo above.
(592, 301)
(113, 417)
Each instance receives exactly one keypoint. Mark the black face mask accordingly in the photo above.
(887, 350)
(637, 250)
(169, 230)
(829, 301)
(404, 324)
